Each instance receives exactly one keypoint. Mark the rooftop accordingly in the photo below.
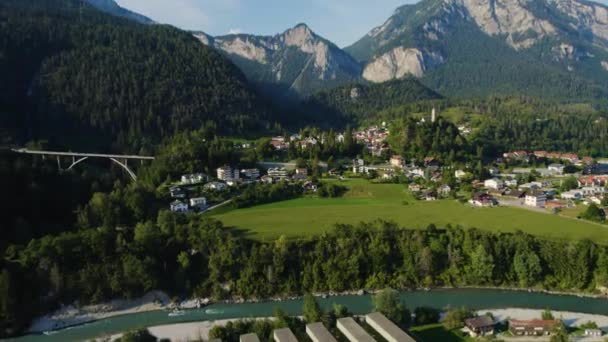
(318, 332)
(249, 338)
(389, 330)
(284, 335)
(480, 322)
(532, 323)
(353, 331)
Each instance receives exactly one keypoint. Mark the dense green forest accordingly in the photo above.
(195, 256)
(440, 140)
(78, 77)
(358, 102)
(43, 200)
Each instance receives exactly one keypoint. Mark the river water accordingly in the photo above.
(478, 299)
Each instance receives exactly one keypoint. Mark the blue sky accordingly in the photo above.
(341, 21)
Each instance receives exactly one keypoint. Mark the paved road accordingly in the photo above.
(217, 205)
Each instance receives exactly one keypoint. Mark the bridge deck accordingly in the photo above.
(76, 154)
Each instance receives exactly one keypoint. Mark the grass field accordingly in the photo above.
(366, 202)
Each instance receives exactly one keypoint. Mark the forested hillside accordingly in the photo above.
(82, 78)
(358, 102)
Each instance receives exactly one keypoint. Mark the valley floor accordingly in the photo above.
(366, 202)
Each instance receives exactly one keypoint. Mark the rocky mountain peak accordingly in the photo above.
(297, 58)
(301, 36)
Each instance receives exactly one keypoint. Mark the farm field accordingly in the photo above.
(365, 202)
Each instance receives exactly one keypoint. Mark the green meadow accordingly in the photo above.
(365, 202)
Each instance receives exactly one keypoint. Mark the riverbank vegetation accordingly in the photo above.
(197, 256)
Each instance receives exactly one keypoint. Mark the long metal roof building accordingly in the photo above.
(353, 331)
(284, 335)
(318, 333)
(386, 328)
(249, 338)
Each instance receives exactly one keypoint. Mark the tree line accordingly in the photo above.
(197, 256)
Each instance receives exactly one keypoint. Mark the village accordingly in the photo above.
(535, 180)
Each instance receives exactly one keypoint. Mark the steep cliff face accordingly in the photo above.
(398, 63)
(570, 34)
(297, 61)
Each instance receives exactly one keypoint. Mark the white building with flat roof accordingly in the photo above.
(494, 183)
(353, 331)
(536, 199)
(572, 195)
(227, 173)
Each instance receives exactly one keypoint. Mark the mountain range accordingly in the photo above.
(547, 48)
(297, 61)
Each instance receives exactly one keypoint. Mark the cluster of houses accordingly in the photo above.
(374, 139)
(397, 164)
(486, 326)
(540, 194)
(525, 156)
(227, 176)
(281, 143)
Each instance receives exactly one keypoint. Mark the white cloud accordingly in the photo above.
(235, 31)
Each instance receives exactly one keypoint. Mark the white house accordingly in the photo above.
(511, 182)
(494, 183)
(536, 199)
(194, 178)
(529, 186)
(177, 192)
(277, 173)
(358, 166)
(250, 173)
(416, 172)
(226, 173)
(593, 190)
(572, 195)
(397, 161)
(557, 169)
(215, 186)
(179, 207)
(199, 202)
(494, 172)
(594, 332)
(459, 174)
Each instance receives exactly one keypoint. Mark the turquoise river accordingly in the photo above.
(471, 298)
